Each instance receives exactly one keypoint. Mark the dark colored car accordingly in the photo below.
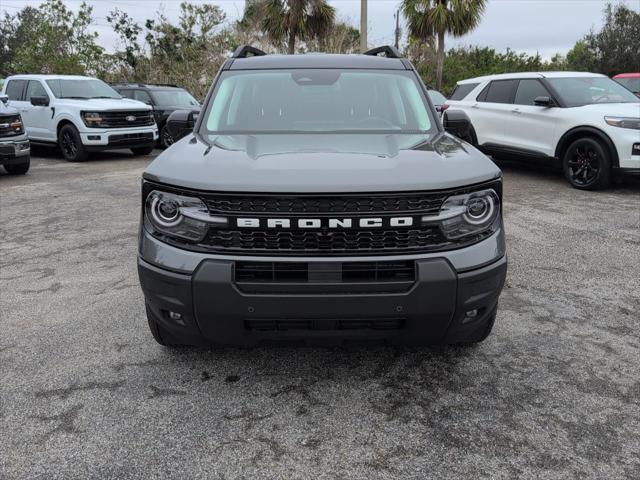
(319, 199)
(14, 145)
(164, 99)
(631, 81)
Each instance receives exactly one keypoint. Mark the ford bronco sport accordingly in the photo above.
(320, 200)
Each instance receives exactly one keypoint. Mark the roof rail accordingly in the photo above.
(243, 51)
(388, 50)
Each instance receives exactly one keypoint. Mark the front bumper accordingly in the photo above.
(14, 151)
(113, 138)
(443, 304)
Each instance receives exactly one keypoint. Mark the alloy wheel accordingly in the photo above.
(584, 165)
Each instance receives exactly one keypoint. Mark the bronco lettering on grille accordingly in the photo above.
(322, 223)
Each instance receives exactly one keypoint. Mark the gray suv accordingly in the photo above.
(15, 150)
(318, 199)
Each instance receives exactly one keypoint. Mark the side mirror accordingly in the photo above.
(457, 123)
(40, 101)
(543, 101)
(4, 99)
(180, 124)
(441, 108)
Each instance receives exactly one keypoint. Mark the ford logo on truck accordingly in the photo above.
(320, 223)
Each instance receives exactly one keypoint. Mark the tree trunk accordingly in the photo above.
(440, 60)
(292, 42)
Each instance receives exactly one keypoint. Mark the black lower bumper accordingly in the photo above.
(627, 172)
(441, 306)
(125, 140)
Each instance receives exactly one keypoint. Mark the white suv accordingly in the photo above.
(588, 122)
(80, 114)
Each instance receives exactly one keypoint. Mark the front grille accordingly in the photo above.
(5, 126)
(327, 272)
(389, 203)
(318, 242)
(7, 150)
(118, 119)
(130, 138)
(324, 324)
(257, 237)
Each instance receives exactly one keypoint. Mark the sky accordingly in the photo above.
(532, 26)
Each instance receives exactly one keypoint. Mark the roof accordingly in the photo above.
(33, 76)
(628, 75)
(515, 75)
(316, 60)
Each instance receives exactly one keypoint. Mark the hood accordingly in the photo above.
(101, 104)
(7, 110)
(322, 163)
(616, 109)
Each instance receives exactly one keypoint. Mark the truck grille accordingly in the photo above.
(389, 237)
(334, 242)
(418, 202)
(119, 119)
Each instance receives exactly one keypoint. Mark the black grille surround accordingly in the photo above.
(355, 241)
(118, 119)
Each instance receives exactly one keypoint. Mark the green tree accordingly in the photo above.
(437, 18)
(53, 39)
(617, 44)
(582, 58)
(129, 33)
(286, 21)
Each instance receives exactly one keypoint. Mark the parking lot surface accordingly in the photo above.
(85, 392)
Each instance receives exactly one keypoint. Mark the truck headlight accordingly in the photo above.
(623, 122)
(17, 126)
(92, 119)
(179, 216)
(467, 214)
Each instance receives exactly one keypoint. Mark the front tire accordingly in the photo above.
(166, 140)
(587, 164)
(142, 150)
(18, 168)
(71, 144)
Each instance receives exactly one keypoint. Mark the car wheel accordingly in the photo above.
(166, 140)
(71, 144)
(142, 150)
(18, 168)
(586, 164)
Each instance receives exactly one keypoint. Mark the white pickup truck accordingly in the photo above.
(80, 114)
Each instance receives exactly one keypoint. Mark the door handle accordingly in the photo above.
(475, 105)
(516, 111)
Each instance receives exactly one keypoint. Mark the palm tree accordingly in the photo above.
(429, 18)
(285, 21)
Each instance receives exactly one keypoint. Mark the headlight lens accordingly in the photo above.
(467, 214)
(16, 125)
(179, 216)
(92, 119)
(623, 122)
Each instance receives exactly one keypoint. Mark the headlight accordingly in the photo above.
(92, 119)
(623, 122)
(467, 214)
(17, 126)
(179, 216)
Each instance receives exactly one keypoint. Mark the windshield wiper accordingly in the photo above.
(105, 96)
(75, 97)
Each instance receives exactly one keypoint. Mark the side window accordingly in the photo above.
(528, 90)
(35, 89)
(15, 89)
(143, 96)
(462, 91)
(126, 93)
(498, 91)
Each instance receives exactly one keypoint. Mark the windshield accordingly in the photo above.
(317, 101)
(173, 98)
(632, 84)
(578, 91)
(436, 97)
(81, 88)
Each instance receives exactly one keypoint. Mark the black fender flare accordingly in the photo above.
(587, 131)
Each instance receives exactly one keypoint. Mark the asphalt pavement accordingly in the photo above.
(85, 392)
